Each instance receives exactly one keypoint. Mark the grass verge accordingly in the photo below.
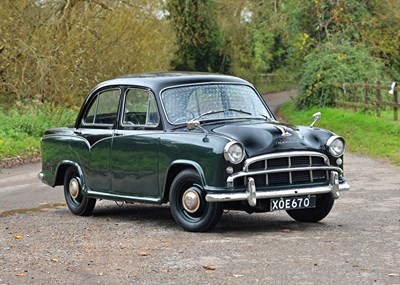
(364, 133)
(22, 128)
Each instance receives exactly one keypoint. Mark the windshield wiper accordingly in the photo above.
(268, 119)
(207, 113)
(239, 111)
(220, 111)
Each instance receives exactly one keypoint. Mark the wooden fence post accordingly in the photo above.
(366, 87)
(355, 97)
(378, 99)
(395, 105)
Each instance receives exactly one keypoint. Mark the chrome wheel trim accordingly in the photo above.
(191, 200)
(74, 188)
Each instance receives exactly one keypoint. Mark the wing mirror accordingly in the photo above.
(316, 118)
(192, 125)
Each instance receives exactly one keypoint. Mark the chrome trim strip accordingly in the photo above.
(250, 161)
(122, 197)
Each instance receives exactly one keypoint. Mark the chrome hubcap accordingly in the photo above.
(74, 188)
(191, 200)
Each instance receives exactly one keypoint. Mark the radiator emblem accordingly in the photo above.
(284, 131)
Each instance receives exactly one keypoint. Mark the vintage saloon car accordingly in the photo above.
(200, 142)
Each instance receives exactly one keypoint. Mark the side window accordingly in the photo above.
(103, 109)
(140, 108)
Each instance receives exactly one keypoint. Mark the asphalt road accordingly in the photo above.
(41, 242)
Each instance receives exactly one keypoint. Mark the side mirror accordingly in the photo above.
(316, 118)
(191, 125)
(194, 124)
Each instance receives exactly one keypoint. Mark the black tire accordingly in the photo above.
(198, 216)
(77, 203)
(322, 209)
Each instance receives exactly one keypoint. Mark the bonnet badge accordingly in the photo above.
(284, 131)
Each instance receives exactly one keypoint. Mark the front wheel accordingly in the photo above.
(188, 206)
(77, 203)
(323, 207)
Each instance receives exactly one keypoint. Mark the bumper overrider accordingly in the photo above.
(251, 194)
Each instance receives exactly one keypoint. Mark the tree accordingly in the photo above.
(335, 62)
(254, 32)
(55, 51)
(198, 36)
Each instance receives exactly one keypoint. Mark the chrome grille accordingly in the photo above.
(289, 168)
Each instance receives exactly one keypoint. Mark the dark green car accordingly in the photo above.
(200, 142)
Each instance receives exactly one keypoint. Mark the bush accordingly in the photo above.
(22, 128)
(335, 63)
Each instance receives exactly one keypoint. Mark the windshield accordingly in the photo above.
(213, 101)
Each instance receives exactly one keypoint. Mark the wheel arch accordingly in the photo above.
(62, 168)
(177, 167)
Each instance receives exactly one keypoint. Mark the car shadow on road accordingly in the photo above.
(263, 222)
(232, 221)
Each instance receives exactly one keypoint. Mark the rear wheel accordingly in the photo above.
(188, 205)
(323, 207)
(77, 203)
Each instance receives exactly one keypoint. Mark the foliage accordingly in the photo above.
(254, 32)
(382, 133)
(198, 36)
(312, 23)
(334, 63)
(345, 26)
(55, 51)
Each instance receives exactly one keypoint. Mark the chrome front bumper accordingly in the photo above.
(251, 194)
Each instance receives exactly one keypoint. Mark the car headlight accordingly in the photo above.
(234, 152)
(336, 146)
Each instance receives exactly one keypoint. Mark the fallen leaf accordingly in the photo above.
(360, 267)
(19, 236)
(209, 267)
(21, 274)
(144, 253)
(55, 260)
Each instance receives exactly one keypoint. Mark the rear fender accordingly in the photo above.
(62, 168)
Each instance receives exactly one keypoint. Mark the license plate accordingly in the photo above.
(291, 203)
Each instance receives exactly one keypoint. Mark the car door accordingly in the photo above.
(96, 130)
(135, 147)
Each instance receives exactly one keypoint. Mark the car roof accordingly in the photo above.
(161, 80)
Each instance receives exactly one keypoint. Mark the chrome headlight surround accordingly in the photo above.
(336, 146)
(234, 152)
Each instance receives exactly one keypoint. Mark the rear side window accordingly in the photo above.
(103, 109)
